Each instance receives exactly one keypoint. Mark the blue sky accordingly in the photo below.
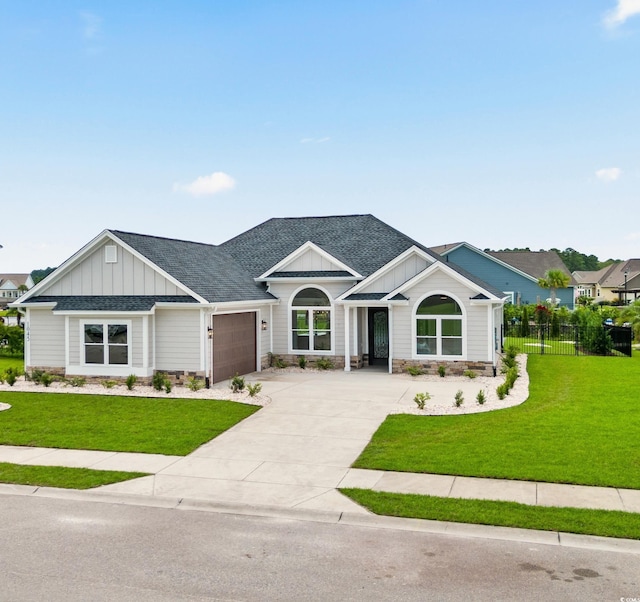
(499, 123)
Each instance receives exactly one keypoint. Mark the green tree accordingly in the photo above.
(553, 280)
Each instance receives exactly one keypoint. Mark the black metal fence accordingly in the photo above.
(568, 339)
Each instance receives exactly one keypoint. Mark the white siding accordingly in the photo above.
(397, 276)
(46, 339)
(284, 291)
(128, 276)
(475, 317)
(177, 340)
(310, 260)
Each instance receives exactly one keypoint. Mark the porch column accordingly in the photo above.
(390, 310)
(347, 339)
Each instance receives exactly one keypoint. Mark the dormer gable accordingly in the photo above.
(310, 261)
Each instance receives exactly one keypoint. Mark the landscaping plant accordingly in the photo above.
(421, 399)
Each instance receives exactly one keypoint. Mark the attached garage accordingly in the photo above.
(234, 345)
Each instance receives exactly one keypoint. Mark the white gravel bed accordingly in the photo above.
(178, 392)
(438, 406)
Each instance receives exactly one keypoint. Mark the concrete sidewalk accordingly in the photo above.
(298, 450)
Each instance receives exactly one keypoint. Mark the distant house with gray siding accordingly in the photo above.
(350, 289)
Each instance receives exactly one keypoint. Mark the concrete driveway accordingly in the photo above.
(296, 450)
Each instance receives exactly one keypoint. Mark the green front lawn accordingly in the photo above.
(606, 523)
(113, 423)
(59, 476)
(580, 425)
(11, 361)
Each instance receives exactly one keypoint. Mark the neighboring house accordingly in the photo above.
(351, 289)
(515, 273)
(12, 287)
(612, 283)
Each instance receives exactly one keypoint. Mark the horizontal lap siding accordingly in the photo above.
(178, 341)
(47, 340)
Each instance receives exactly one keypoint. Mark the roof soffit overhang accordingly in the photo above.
(307, 246)
(385, 269)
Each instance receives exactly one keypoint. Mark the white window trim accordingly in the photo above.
(512, 297)
(332, 314)
(106, 369)
(439, 318)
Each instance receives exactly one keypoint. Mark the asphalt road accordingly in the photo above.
(54, 549)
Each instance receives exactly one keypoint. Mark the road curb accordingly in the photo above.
(371, 521)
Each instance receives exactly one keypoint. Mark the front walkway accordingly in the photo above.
(296, 451)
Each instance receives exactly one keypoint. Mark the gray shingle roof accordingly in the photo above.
(109, 302)
(207, 270)
(362, 242)
(534, 263)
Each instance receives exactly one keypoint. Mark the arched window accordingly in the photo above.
(311, 321)
(439, 327)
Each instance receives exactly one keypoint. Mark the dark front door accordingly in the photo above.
(378, 336)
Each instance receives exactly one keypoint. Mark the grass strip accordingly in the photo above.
(580, 425)
(115, 423)
(604, 523)
(60, 476)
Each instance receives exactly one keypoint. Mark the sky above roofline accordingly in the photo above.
(504, 124)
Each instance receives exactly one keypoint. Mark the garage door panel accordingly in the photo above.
(234, 345)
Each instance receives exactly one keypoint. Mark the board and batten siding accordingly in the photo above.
(310, 260)
(128, 276)
(178, 340)
(281, 320)
(398, 275)
(476, 317)
(46, 339)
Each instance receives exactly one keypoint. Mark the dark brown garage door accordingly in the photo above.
(234, 345)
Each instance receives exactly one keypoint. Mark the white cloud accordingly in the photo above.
(608, 174)
(217, 182)
(632, 236)
(91, 25)
(315, 140)
(624, 10)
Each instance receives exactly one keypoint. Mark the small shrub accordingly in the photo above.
(421, 399)
(45, 379)
(324, 363)
(502, 391)
(469, 374)
(109, 384)
(481, 397)
(458, 399)
(510, 378)
(77, 381)
(195, 384)
(36, 376)
(167, 385)
(302, 361)
(508, 363)
(275, 361)
(237, 383)
(442, 370)
(254, 389)
(132, 379)
(157, 381)
(415, 370)
(10, 376)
